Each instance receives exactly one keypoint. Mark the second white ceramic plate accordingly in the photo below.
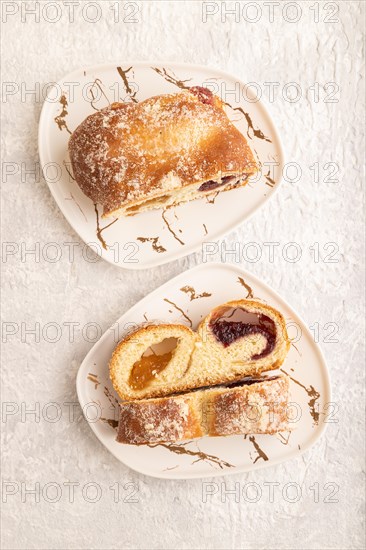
(155, 237)
(186, 299)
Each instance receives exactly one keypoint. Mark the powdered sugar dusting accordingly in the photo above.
(252, 409)
(149, 423)
(135, 151)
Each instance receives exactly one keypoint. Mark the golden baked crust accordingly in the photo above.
(199, 359)
(256, 407)
(132, 157)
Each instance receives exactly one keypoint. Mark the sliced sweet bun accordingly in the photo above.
(160, 152)
(239, 338)
(146, 362)
(255, 406)
(160, 360)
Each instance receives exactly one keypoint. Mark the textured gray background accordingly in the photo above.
(172, 514)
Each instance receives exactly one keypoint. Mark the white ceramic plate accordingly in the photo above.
(151, 239)
(180, 300)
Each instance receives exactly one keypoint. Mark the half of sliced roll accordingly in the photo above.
(238, 339)
(254, 406)
(168, 149)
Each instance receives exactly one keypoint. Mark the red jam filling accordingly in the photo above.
(230, 324)
(204, 94)
(212, 184)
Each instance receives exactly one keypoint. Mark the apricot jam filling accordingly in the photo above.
(153, 361)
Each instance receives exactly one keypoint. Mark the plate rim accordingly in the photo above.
(237, 470)
(186, 250)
